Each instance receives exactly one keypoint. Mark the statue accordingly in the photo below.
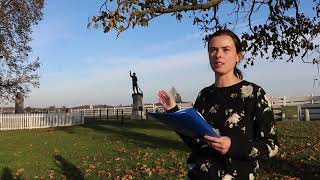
(137, 105)
(135, 87)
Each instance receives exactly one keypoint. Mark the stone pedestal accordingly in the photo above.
(137, 107)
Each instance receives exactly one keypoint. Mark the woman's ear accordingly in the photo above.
(240, 57)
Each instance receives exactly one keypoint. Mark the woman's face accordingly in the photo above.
(223, 55)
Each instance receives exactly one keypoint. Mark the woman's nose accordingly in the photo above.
(218, 53)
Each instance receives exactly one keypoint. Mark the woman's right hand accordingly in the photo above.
(166, 100)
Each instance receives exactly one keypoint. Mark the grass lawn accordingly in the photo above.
(141, 149)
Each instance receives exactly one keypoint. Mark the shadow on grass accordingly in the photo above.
(129, 123)
(68, 169)
(291, 168)
(140, 139)
(6, 174)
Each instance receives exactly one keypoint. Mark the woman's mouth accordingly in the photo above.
(217, 64)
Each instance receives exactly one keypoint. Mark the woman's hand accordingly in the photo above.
(221, 144)
(166, 100)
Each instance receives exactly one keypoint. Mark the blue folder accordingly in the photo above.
(188, 122)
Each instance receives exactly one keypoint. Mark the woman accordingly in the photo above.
(236, 108)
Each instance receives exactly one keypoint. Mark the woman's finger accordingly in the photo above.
(211, 138)
(216, 145)
(162, 96)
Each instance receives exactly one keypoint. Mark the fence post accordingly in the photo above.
(122, 117)
(146, 113)
(82, 117)
(312, 101)
(299, 112)
(117, 114)
(107, 114)
(306, 115)
(100, 114)
(284, 101)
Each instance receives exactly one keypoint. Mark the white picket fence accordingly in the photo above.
(301, 102)
(43, 120)
(125, 110)
(294, 100)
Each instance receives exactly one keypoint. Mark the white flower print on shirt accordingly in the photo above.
(257, 166)
(205, 166)
(227, 177)
(274, 151)
(233, 95)
(246, 91)
(267, 109)
(204, 146)
(233, 120)
(228, 111)
(243, 129)
(254, 152)
(251, 176)
(259, 92)
(272, 131)
(214, 109)
(267, 100)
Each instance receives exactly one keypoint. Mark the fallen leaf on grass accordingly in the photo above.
(19, 171)
(127, 177)
(311, 157)
(119, 159)
(91, 166)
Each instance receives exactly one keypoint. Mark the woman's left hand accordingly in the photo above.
(221, 144)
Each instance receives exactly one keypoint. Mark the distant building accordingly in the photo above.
(6, 110)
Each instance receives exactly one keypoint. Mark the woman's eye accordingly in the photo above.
(213, 50)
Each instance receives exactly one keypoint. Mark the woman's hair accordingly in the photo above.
(237, 44)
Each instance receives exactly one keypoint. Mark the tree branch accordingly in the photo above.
(208, 5)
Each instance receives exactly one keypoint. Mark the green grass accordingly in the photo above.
(141, 149)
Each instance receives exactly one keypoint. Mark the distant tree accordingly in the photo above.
(175, 94)
(178, 98)
(17, 72)
(52, 108)
(277, 29)
(63, 109)
(28, 109)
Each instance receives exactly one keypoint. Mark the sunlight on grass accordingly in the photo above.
(141, 149)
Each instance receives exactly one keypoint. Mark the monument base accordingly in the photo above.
(137, 107)
(138, 115)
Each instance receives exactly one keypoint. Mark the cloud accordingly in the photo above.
(111, 84)
(165, 46)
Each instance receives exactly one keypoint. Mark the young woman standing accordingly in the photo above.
(236, 108)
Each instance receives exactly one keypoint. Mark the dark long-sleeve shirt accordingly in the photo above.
(244, 114)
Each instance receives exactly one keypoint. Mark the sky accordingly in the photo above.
(86, 66)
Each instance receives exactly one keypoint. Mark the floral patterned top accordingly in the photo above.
(243, 113)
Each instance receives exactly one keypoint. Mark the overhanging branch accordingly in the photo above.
(208, 5)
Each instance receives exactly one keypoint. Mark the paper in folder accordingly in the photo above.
(188, 122)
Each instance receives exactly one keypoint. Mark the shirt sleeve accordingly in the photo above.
(264, 144)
